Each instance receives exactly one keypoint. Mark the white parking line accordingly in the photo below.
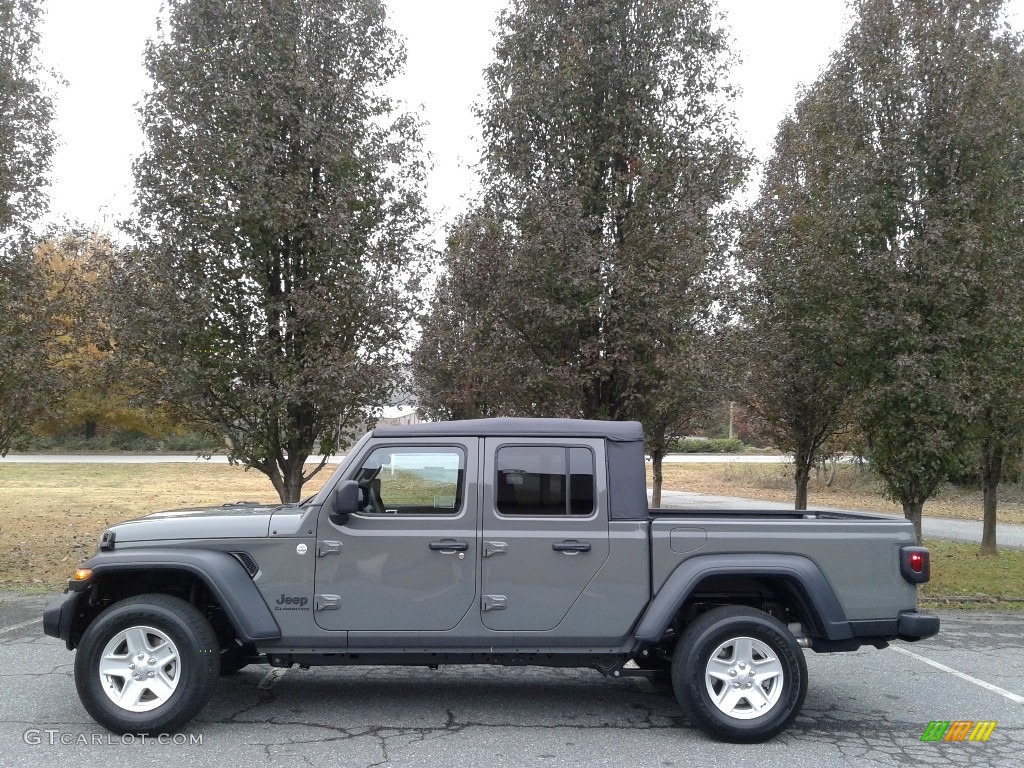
(962, 675)
(23, 624)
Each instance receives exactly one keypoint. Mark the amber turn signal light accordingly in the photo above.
(81, 574)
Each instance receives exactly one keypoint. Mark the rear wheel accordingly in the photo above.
(739, 674)
(147, 664)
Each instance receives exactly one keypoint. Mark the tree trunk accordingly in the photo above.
(656, 457)
(90, 430)
(912, 511)
(286, 476)
(801, 476)
(292, 480)
(991, 473)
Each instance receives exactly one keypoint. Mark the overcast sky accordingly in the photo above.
(96, 45)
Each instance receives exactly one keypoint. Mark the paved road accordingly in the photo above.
(867, 708)
(1007, 534)
(725, 458)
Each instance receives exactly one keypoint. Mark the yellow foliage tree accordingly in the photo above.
(104, 385)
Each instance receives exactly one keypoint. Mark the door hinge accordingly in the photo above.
(495, 548)
(327, 602)
(494, 603)
(327, 548)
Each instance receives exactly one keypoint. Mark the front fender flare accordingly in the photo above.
(799, 571)
(222, 574)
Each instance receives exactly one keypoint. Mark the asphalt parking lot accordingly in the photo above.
(866, 708)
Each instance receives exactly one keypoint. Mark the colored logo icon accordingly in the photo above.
(958, 730)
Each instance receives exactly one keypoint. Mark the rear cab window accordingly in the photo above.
(545, 480)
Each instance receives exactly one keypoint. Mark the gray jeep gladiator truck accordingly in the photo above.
(496, 541)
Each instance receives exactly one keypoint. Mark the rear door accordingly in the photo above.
(545, 529)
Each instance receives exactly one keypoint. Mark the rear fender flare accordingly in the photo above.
(799, 571)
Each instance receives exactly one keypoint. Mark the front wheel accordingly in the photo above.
(147, 664)
(739, 674)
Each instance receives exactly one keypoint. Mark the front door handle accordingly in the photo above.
(571, 546)
(449, 546)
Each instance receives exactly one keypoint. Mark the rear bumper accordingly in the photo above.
(914, 625)
(58, 616)
(910, 625)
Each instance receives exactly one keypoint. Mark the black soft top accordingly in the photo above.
(616, 431)
(624, 449)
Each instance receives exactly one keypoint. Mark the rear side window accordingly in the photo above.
(545, 480)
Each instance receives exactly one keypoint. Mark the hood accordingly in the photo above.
(229, 521)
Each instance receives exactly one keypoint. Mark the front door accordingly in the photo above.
(407, 560)
(545, 533)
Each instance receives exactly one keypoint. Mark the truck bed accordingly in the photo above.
(858, 552)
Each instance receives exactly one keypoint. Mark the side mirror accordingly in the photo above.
(343, 501)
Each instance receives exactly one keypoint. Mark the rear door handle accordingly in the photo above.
(571, 546)
(449, 545)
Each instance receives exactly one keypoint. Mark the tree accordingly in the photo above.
(102, 385)
(799, 289)
(924, 88)
(461, 364)
(26, 145)
(609, 155)
(279, 202)
(26, 139)
(996, 338)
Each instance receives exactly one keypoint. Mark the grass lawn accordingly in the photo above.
(51, 514)
(961, 578)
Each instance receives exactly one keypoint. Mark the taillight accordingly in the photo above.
(915, 564)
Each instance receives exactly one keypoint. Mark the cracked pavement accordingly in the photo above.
(866, 708)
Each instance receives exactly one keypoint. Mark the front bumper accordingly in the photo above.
(58, 616)
(914, 625)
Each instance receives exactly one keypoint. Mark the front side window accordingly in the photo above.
(545, 480)
(412, 481)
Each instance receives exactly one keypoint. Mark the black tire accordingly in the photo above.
(715, 645)
(168, 691)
